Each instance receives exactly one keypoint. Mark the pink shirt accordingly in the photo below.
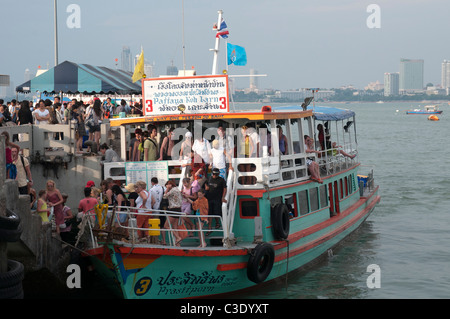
(87, 203)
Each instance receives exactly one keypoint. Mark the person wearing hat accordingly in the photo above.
(217, 189)
(90, 184)
(132, 196)
(186, 147)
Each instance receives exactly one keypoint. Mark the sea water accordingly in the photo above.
(408, 234)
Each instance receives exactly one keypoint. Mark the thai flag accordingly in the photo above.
(222, 31)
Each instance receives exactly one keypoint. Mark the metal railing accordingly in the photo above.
(104, 224)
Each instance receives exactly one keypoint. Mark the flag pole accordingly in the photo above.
(216, 48)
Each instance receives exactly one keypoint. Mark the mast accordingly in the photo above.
(216, 48)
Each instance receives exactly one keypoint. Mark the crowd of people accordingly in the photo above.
(86, 116)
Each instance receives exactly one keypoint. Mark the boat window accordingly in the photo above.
(313, 199)
(323, 196)
(346, 186)
(296, 137)
(284, 149)
(291, 202)
(350, 183)
(303, 202)
(341, 189)
(249, 207)
(264, 138)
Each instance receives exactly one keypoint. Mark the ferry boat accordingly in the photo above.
(428, 109)
(274, 220)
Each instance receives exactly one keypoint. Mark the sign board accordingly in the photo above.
(185, 95)
(145, 171)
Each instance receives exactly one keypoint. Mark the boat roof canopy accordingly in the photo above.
(282, 112)
(323, 113)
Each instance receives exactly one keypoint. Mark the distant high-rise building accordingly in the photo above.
(148, 70)
(445, 75)
(126, 59)
(28, 75)
(253, 80)
(391, 84)
(172, 70)
(411, 75)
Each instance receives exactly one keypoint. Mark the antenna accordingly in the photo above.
(216, 48)
(184, 57)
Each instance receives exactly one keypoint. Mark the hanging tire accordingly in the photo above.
(11, 281)
(10, 235)
(280, 221)
(260, 262)
(11, 221)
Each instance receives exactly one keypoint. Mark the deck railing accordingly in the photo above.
(105, 226)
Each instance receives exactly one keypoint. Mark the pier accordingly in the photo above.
(35, 246)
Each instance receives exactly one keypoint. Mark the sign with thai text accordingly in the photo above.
(185, 95)
(145, 171)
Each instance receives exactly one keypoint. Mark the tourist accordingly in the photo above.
(188, 192)
(121, 201)
(173, 194)
(95, 193)
(107, 195)
(87, 204)
(11, 169)
(337, 149)
(133, 149)
(217, 190)
(321, 136)
(167, 145)
(202, 147)
(68, 113)
(283, 145)
(186, 147)
(33, 198)
(313, 167)
(2, 116)
(201, 207)
(226, 142)
(80, 129)
(13, 110)
(25, 116)
(218, 157)
(255, 140)
(132, 195)
(144, 202)
(67, 215)
(23, 176)
(109, 154)
(55, 200)
(150, 145)
(42, 208)
(197, 166)
(41, 115)
(157, 192)
(93, 117)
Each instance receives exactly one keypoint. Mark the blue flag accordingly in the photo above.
(236, 54)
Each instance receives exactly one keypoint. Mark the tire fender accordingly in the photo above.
(260, 262)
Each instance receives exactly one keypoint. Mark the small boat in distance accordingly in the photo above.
(429, 109)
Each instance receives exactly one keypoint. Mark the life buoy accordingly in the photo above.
(260, 262)
(280, 221)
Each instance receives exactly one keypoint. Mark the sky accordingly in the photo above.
(297, 44)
